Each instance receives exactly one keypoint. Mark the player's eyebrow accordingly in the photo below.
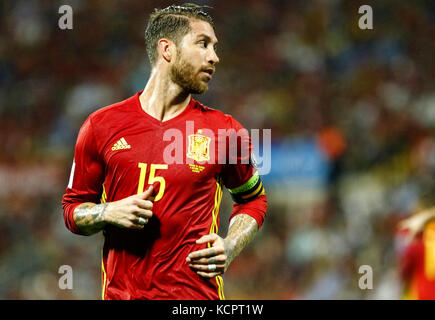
(207, 38)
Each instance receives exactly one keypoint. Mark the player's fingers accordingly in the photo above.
(205, 267)
(208, 274)
(141, 221)
(212, 260)
(204, 253)
(144, 204)
(133, 211)
(133, 218)
(147, 193)
(207, 238)
(143, 213)
(137, 225)
(127, 224)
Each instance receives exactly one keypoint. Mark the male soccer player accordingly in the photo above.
(417, 257)
(160, 217)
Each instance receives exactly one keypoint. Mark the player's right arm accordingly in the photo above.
(91, 218)
(82, 212)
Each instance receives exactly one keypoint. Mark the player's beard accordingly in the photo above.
(183, 73)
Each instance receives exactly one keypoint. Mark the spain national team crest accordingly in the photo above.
(199, 147)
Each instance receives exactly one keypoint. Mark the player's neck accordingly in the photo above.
(163, 99)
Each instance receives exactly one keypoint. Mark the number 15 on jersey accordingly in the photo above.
(152, 178)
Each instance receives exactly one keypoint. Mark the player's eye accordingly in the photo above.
(202, 43)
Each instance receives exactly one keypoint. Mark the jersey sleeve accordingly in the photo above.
(409, 258)
(86, 178)
(241, 178)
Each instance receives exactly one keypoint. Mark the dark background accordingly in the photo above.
(352, 114)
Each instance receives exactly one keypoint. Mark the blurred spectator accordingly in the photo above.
(352, 114)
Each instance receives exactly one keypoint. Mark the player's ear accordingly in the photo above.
(165, 49)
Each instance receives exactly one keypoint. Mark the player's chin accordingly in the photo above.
(200, 88)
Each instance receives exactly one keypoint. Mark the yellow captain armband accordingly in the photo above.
(249, 190)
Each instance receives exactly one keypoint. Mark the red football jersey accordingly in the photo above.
(417, 265)
(120, 150)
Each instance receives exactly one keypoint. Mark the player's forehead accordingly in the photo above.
(199, 28)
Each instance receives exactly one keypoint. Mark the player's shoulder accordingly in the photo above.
(113, 111)
(217, 116)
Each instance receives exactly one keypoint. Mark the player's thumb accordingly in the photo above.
(147, 193)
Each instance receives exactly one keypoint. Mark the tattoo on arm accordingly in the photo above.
(240, 233)
(89, 217)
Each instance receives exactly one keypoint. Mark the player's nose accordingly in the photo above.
(212, 57)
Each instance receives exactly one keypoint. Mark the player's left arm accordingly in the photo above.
(243, 228)
(249, 210)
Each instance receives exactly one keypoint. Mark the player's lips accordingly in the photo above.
(209, 72)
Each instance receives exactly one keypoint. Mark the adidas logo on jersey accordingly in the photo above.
(121, 144)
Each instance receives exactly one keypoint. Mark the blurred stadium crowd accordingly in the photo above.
(352, 114)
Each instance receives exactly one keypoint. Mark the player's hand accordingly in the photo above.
(212, 261)
(132, 212)
(416, 223)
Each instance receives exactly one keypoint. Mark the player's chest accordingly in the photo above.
(178, 153)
